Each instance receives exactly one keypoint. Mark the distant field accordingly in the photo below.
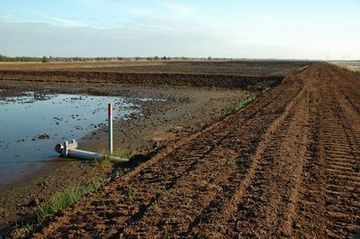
(221, 67)
(350, 65)
(225, 74)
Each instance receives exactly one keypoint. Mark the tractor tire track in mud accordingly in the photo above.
(287, 166)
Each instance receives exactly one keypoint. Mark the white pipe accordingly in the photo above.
(69, 150)
(86, 155)
(81, 154)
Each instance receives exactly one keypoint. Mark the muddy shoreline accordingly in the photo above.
(185, 111)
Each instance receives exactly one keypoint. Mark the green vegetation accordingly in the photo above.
(45, 59)
(19, 59)
(66, 199)
(78, 59)
(121, 154)
(105, 162)
(242, 104)
(56, 203)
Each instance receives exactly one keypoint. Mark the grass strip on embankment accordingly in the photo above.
(62, 200)
(66, 199)
(242, 104)
(55, 204)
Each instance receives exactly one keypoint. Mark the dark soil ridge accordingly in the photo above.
(172, 79)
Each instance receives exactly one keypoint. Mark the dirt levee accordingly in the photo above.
(286, 166)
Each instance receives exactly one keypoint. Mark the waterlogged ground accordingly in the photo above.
(31, 125)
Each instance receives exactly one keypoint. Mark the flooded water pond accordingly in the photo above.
(32, 124)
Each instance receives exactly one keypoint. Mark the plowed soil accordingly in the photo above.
(287, 166)
(150, 79)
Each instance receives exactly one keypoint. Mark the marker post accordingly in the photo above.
(110, 116)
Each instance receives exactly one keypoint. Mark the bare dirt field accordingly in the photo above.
(186, 110)
(210, 67)
(350, 65)
(286, 166)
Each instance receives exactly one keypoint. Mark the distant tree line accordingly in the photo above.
(19, 59)
(77, 59)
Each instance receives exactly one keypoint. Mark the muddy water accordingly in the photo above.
(32, 124)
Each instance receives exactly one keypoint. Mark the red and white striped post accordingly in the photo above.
(110, 115)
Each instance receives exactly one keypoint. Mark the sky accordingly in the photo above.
(283, 29)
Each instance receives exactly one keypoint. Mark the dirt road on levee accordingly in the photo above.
(287, 166)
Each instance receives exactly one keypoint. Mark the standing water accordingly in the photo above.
(31, 125)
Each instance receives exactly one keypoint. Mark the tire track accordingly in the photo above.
(308, 219)
(265, 208)
(214, 222)
(342, 189)
(330, 194)
(184, 218)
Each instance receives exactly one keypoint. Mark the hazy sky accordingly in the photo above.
(311, 29)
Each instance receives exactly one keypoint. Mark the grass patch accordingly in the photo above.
(106, 163)
(121, 154)
(242, 104)
(65, 199)
(103, 163)
(57, 203)
(60, 201)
